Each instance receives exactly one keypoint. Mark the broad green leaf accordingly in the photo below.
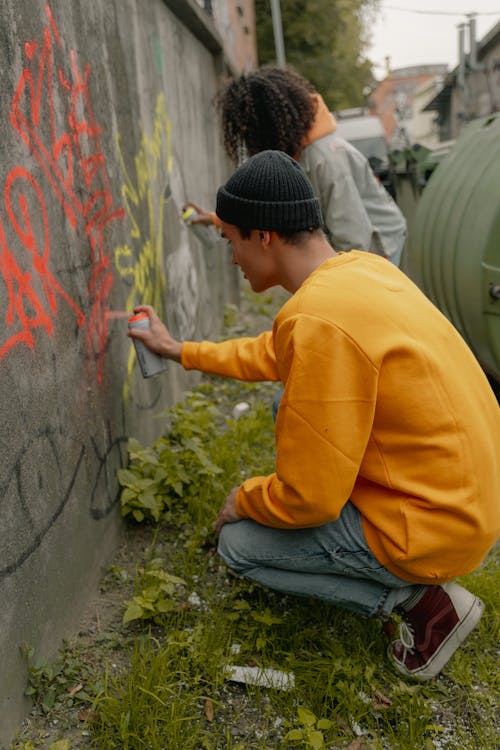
(324, 724)
(133, 612)
(49, 699)
(82, 696)
(266, 617)
(177, 487)
(144, 603)
(167, 587)
(306, 717)
(150, 593)
(127, 478)
(435, 728)
(127, 495)
(133, 446)
(316, 740)
(148, 500)
(294, 734)
(60, 745)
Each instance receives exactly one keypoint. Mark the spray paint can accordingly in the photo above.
(149, 362)
(200, 231)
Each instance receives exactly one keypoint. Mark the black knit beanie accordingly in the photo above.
(270, 191)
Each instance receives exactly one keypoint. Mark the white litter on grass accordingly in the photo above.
(235, 648)
(240, 409)
(268, 678)
(356, 728)
(194, 600)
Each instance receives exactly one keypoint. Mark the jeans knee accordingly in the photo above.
(230, 547)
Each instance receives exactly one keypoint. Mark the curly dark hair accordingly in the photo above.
(270, 108)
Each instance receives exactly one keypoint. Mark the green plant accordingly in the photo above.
(159, 475)
(157, 593)
(310, 734)
(230, 316)
(67, 681)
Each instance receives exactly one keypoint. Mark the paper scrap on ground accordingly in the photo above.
(269, 678)
(241, 408)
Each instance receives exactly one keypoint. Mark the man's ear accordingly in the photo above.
(265, 237)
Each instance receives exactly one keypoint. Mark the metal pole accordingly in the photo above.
(278, 32)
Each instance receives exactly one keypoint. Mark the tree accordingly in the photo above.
(325, 42)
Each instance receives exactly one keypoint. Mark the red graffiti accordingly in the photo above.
(64, 138)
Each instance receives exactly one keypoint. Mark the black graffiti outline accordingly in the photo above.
(102, 464)
(96, 513)
(39, 535)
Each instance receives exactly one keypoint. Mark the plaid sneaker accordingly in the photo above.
(431, 632)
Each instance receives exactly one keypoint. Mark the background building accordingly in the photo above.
(395, 98)
(472, 89)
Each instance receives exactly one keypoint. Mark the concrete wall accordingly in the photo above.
(106, 128)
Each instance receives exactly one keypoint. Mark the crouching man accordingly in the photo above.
(387, 480)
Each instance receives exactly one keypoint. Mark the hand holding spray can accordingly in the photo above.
(149, 362)
(199, 230)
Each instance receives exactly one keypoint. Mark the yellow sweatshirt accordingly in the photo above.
(383, 404)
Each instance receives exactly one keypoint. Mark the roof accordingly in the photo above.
(443, 96)
(441, 99)
(360, 127)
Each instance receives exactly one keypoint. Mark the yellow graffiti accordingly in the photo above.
(141, 262)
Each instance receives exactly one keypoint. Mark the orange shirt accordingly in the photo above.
(383, 404)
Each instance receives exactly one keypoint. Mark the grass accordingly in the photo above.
(157, 682)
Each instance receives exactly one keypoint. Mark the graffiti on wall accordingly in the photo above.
(63, 175)
(59, 173)
(158, 252)
(143, 196)
(140, 262)
(68, 152)
(26, 524)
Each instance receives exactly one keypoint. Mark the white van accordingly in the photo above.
(366, 133)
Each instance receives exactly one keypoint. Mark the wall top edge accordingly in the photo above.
(198, 22)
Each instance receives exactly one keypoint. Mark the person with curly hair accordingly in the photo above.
(276, 108)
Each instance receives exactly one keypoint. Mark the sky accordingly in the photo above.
(427, 36)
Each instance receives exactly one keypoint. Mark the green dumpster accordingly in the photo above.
(411, 169)
(454, 248)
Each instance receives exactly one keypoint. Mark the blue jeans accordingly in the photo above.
(331, 562)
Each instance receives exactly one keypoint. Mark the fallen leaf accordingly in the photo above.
(75, 689)
(209, 709)
(86, 715)
(380, 700)
(357, 744)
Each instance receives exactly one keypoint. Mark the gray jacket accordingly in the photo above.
(357, 210)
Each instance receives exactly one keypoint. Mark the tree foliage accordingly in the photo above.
(325, 41)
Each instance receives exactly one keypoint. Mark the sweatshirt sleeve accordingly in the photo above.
(323, 427)
(250, 359)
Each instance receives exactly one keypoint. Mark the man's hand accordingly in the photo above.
(228, 513)
(157, 338)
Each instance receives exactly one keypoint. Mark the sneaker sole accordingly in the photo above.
(448, 647)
